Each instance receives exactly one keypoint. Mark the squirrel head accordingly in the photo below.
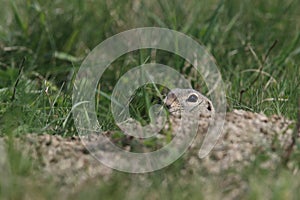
(190, 101)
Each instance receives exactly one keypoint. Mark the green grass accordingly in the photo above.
(55, 36)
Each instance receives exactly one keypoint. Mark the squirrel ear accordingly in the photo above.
(209, 106)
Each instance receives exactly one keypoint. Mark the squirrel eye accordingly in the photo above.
(192, 98)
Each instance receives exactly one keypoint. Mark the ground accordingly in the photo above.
(65, 161)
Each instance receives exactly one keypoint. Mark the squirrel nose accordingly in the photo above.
(171, 97)
(168, 106)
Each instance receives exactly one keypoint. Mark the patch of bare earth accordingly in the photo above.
(246, 135)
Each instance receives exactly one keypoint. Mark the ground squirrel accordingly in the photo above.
(188, 100)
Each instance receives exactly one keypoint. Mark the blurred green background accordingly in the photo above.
(255, 44)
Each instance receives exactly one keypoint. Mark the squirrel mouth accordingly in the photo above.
(175, 112)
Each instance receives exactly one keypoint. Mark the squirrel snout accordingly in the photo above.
(169, 100)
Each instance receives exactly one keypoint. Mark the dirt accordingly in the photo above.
(246, 135)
